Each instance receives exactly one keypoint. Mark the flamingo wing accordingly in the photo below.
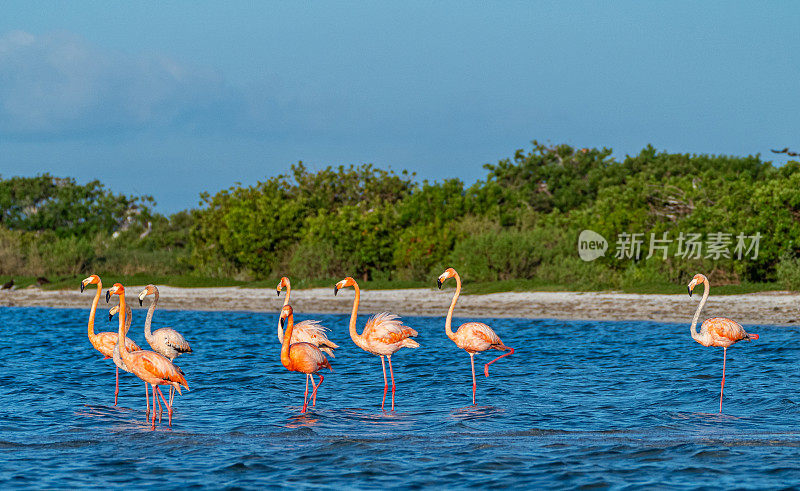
(388, 329)
(724, 329)
(477, 336)
(160, 367)
(311, 331)
(307, 358)
(107, 340)
(173, 339)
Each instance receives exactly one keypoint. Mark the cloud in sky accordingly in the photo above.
(60, 85)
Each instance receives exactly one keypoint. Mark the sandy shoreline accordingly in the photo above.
(778, 308)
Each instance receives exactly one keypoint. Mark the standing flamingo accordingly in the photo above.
(153, 368)
(383, 335)
(165, 341)
(472, 337)
(301, 357)
(716, 331)
(104, 342)
(118, 359)
(307, 331)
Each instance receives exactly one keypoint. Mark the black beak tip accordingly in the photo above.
(283, 322)
(439, 283)
(108, 296)
(279, 293)
(82, 287)
(690, 291)
(140, 302)
(110, 317)
(335, 290)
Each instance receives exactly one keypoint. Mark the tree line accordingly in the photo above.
(521, 222)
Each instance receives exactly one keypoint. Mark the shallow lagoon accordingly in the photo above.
(580, 403)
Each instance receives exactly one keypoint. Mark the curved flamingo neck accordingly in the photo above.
(288, 292)
(448, 327)
(117, 357)
(353, 334)
(288, 286)
(695, 335)
(94, 309)
(128, 319)
(149, 319)
(123, 350)
(287, 341)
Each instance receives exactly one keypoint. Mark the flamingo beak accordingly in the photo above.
(335, 289)
(279, 293)
(690, 290)
(439, 283)
(83, 287)
(283, 322)
(141, 302)
(108, 295)
(110, 316)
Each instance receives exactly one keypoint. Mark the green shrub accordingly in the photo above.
(788, 272)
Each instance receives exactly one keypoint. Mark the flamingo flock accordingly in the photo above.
(305, 346)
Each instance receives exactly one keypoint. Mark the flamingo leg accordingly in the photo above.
(147, 402)
(154, 408)
(392, 374)
(724, 356)
(160, 409)
(486, 367)
(116, 389)
(385, 383)
(305, 397)
(169, 408)
(472, 362)
(314, 394)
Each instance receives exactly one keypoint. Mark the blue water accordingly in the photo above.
(592, 404)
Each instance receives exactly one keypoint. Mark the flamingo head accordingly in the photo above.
(344, 283)
(91, 280)
(448, 273)
(698, 278)
(286, 312)
(284, 283)
(148, 290)
(112, 312)
(117, 289)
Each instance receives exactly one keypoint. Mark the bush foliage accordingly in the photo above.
(521, 222)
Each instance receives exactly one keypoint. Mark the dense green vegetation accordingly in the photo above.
(518, 228)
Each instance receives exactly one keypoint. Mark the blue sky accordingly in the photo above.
(175, 98)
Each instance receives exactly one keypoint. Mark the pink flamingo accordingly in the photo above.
(307, 331)
(716, 331)
(153, 368)
(472, 337)
(118, 359)
(165, 341)
(383, 335)
(301, 357)
(104, 342)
